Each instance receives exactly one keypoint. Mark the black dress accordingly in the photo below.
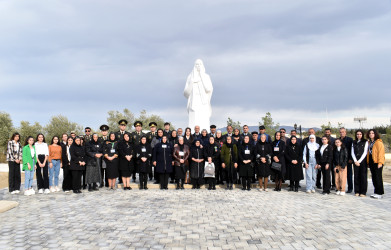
(110, 149)
(126, 167)
(246, 152)
(143, 150)
(263, 150)
(196, 168)
(278, 148)
(294, 172)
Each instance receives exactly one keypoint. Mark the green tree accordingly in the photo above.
(115, 116)
(146, 119)
(234, 124)
(6, 129)
(269, 124)
(60, 124)
(27, 130)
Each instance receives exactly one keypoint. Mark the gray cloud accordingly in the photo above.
(93, 56)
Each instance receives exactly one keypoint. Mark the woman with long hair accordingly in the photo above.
(29, 159)
(42, 173)
(55, 153)
(360, 166)
(78, 164)
(66, 164)
(14, 158)
(375, 160)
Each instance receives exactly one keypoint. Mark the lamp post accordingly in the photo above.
(295, 126)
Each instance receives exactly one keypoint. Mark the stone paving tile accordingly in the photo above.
(196, 219)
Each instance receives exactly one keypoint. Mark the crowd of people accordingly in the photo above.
(92, 162)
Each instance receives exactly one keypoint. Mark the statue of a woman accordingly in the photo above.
(198, 91)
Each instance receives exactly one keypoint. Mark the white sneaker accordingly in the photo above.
(27, 192)
(377, 196)
(47, 191)
(266, 190)
(66, 191)
(17, 191)
(342, 193)
(32, 191)
(338, 192)
(52, 189)
(313, 190)
(13, 192)
(373, 195)
(40, 191)
(308, 191)
(58, 189)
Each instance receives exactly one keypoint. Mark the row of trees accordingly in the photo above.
(60, 124)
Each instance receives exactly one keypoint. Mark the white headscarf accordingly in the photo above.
(312, 146)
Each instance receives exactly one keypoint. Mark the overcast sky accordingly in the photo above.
(295, 59)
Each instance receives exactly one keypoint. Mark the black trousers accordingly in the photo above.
(246, 182)
(361, 178)
(156, 175)
(377, 178)
(219, 175)
(230, 175)
(150, 176)
(164, 180)
(318, 177)
(143, 179)
(13, 176)
(350, 176)
(67, 182)
(134, 174)
(76, 179)
(42, 174)
(295, 184)
(211, 182)
(332, 176)
(326, 178)
(196, 182)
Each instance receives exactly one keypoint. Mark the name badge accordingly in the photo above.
(143, 150)
(247, 152)
(97, 146)
(164, 146)
(276, 149)
(181, 153)
(112, 151)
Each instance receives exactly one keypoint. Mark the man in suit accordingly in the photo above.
(246, 133)
(150, 135)
(197, 133)
(135, 138)
(167, 131)
(262, 130)
(230, 130)
(212, 131)
(104, 129)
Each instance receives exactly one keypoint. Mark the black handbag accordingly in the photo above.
(276, 166)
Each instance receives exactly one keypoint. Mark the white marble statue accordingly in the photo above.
(198, 91)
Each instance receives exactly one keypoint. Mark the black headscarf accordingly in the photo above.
(115, 137)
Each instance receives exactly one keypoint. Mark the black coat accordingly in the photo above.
(246, 152)
(263, 151)
(93, 148)
(143, 150)
(124, 149)
(347, 141)
(162, 154)
(340, 158)
(213, 151)
(78, 154)
(326, 158)
(64, 156)
(278, 148)
(188, 142)
(196, 168)
(294, 153)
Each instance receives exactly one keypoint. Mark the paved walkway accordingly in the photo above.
(195, 219)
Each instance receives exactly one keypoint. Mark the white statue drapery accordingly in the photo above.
(198, 91)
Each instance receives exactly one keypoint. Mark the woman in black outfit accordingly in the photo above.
(197, 164)
(359, 155)
(110, 152)
(181, 161)
(278, 156)
(204, 138)
(174, 143)
(324, 158)
(126, 163)
(66, 164)
(219, 171)
(212, 155)
(94, 151)
(188, 137)
(143, 156)
(294, 159)
(78, 164)
(263, 152)
(162, 160)
(236, 137)
(246, 159)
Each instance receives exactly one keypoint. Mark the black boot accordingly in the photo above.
(90, 187)
(296, 189)
(95, 187)
(178, 185)
(291, 188)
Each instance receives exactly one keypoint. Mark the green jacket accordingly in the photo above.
(28, 159)
(226, 156)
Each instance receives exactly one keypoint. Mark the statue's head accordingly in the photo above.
(199, 65)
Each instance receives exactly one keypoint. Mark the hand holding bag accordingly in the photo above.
(276, 166)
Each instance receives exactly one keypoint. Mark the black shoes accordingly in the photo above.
(90, 188)
(77, 191)
(296, 190)
(349, 191)
(291, 188)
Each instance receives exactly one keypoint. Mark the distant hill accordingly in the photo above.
(255, 128)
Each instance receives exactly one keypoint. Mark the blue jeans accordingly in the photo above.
(310, 175)
(56, 171)
(28, 179)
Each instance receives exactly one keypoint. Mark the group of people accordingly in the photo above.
(92, 161)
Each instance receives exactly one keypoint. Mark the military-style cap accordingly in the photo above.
(212, 126)
(152, 124)
(73, 132)
(138, 123)
(104, 127)
(254, 133)
(123, 122)
(261, 127)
